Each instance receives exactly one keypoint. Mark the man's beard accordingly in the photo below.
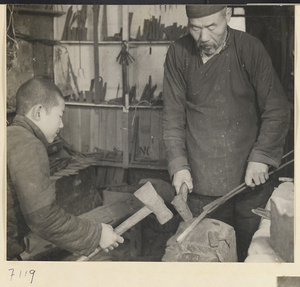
(210, 49)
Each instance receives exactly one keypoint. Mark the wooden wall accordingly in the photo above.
(88, 128)
(31, 57)
(145, 126)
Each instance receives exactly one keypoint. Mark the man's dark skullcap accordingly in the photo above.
(198, 11)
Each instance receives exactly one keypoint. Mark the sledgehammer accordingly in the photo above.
(153, 204)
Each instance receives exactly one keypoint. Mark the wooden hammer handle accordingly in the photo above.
(123, 227)
(133, 220)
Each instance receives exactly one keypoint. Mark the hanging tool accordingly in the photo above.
(216, 203)
(124, 58)
(153, 204)
(180, 203)
(104, 24)
(148, 92)
(80, 69)
(81, 19)
(96, 9)
(66, 31)
(100, 96)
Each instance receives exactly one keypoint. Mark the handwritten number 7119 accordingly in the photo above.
(21, 274)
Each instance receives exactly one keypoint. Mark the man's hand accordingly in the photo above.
(109, 239)
(256, 173)
(180, 177)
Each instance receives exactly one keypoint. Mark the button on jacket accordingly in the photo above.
(221, 114)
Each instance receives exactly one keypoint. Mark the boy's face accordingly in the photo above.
(50, 123)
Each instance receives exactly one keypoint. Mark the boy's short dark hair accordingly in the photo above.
(37, 91)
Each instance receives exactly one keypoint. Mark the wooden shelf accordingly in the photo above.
(144, 107)
(91, 105)
(148, 165)
(138, 165)
(131, 43)
(90, 42)
(45, 12)
(108, 163)
(135, 164)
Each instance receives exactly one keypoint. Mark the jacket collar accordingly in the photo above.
(26, 123)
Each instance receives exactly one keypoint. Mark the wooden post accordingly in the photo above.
(125, 137)
(125, 129)
(96, 50)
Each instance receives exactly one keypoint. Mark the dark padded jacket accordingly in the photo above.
(222, 114)
(31, 199)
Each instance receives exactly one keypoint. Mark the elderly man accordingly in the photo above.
(225, 118)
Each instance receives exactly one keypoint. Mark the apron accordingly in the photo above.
(222, 121)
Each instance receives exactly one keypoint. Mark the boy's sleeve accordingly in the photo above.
(30, 175)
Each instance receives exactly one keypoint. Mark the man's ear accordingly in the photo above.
(36, 112)
(228, 14)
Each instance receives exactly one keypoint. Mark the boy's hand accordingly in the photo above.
(109, 239)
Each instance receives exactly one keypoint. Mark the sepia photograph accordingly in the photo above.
(150, 133)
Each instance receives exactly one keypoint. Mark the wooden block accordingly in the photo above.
(211, 241)
(282, 228)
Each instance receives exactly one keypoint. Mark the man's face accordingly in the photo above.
(51, 122)
(209, 32)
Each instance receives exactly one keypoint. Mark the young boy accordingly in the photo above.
(30, 193)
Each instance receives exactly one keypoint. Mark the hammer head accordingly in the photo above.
(154, 202)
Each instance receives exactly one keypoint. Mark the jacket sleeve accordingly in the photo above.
(273, 105)
(174, 116)
(29, 170)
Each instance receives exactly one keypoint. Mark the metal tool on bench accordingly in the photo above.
(153, 204)
(264, 213)
(180, 203)
(216, 203)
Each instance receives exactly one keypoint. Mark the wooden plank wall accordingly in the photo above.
(148, 143)
(87, 128)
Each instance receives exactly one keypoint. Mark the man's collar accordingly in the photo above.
(226, 42)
